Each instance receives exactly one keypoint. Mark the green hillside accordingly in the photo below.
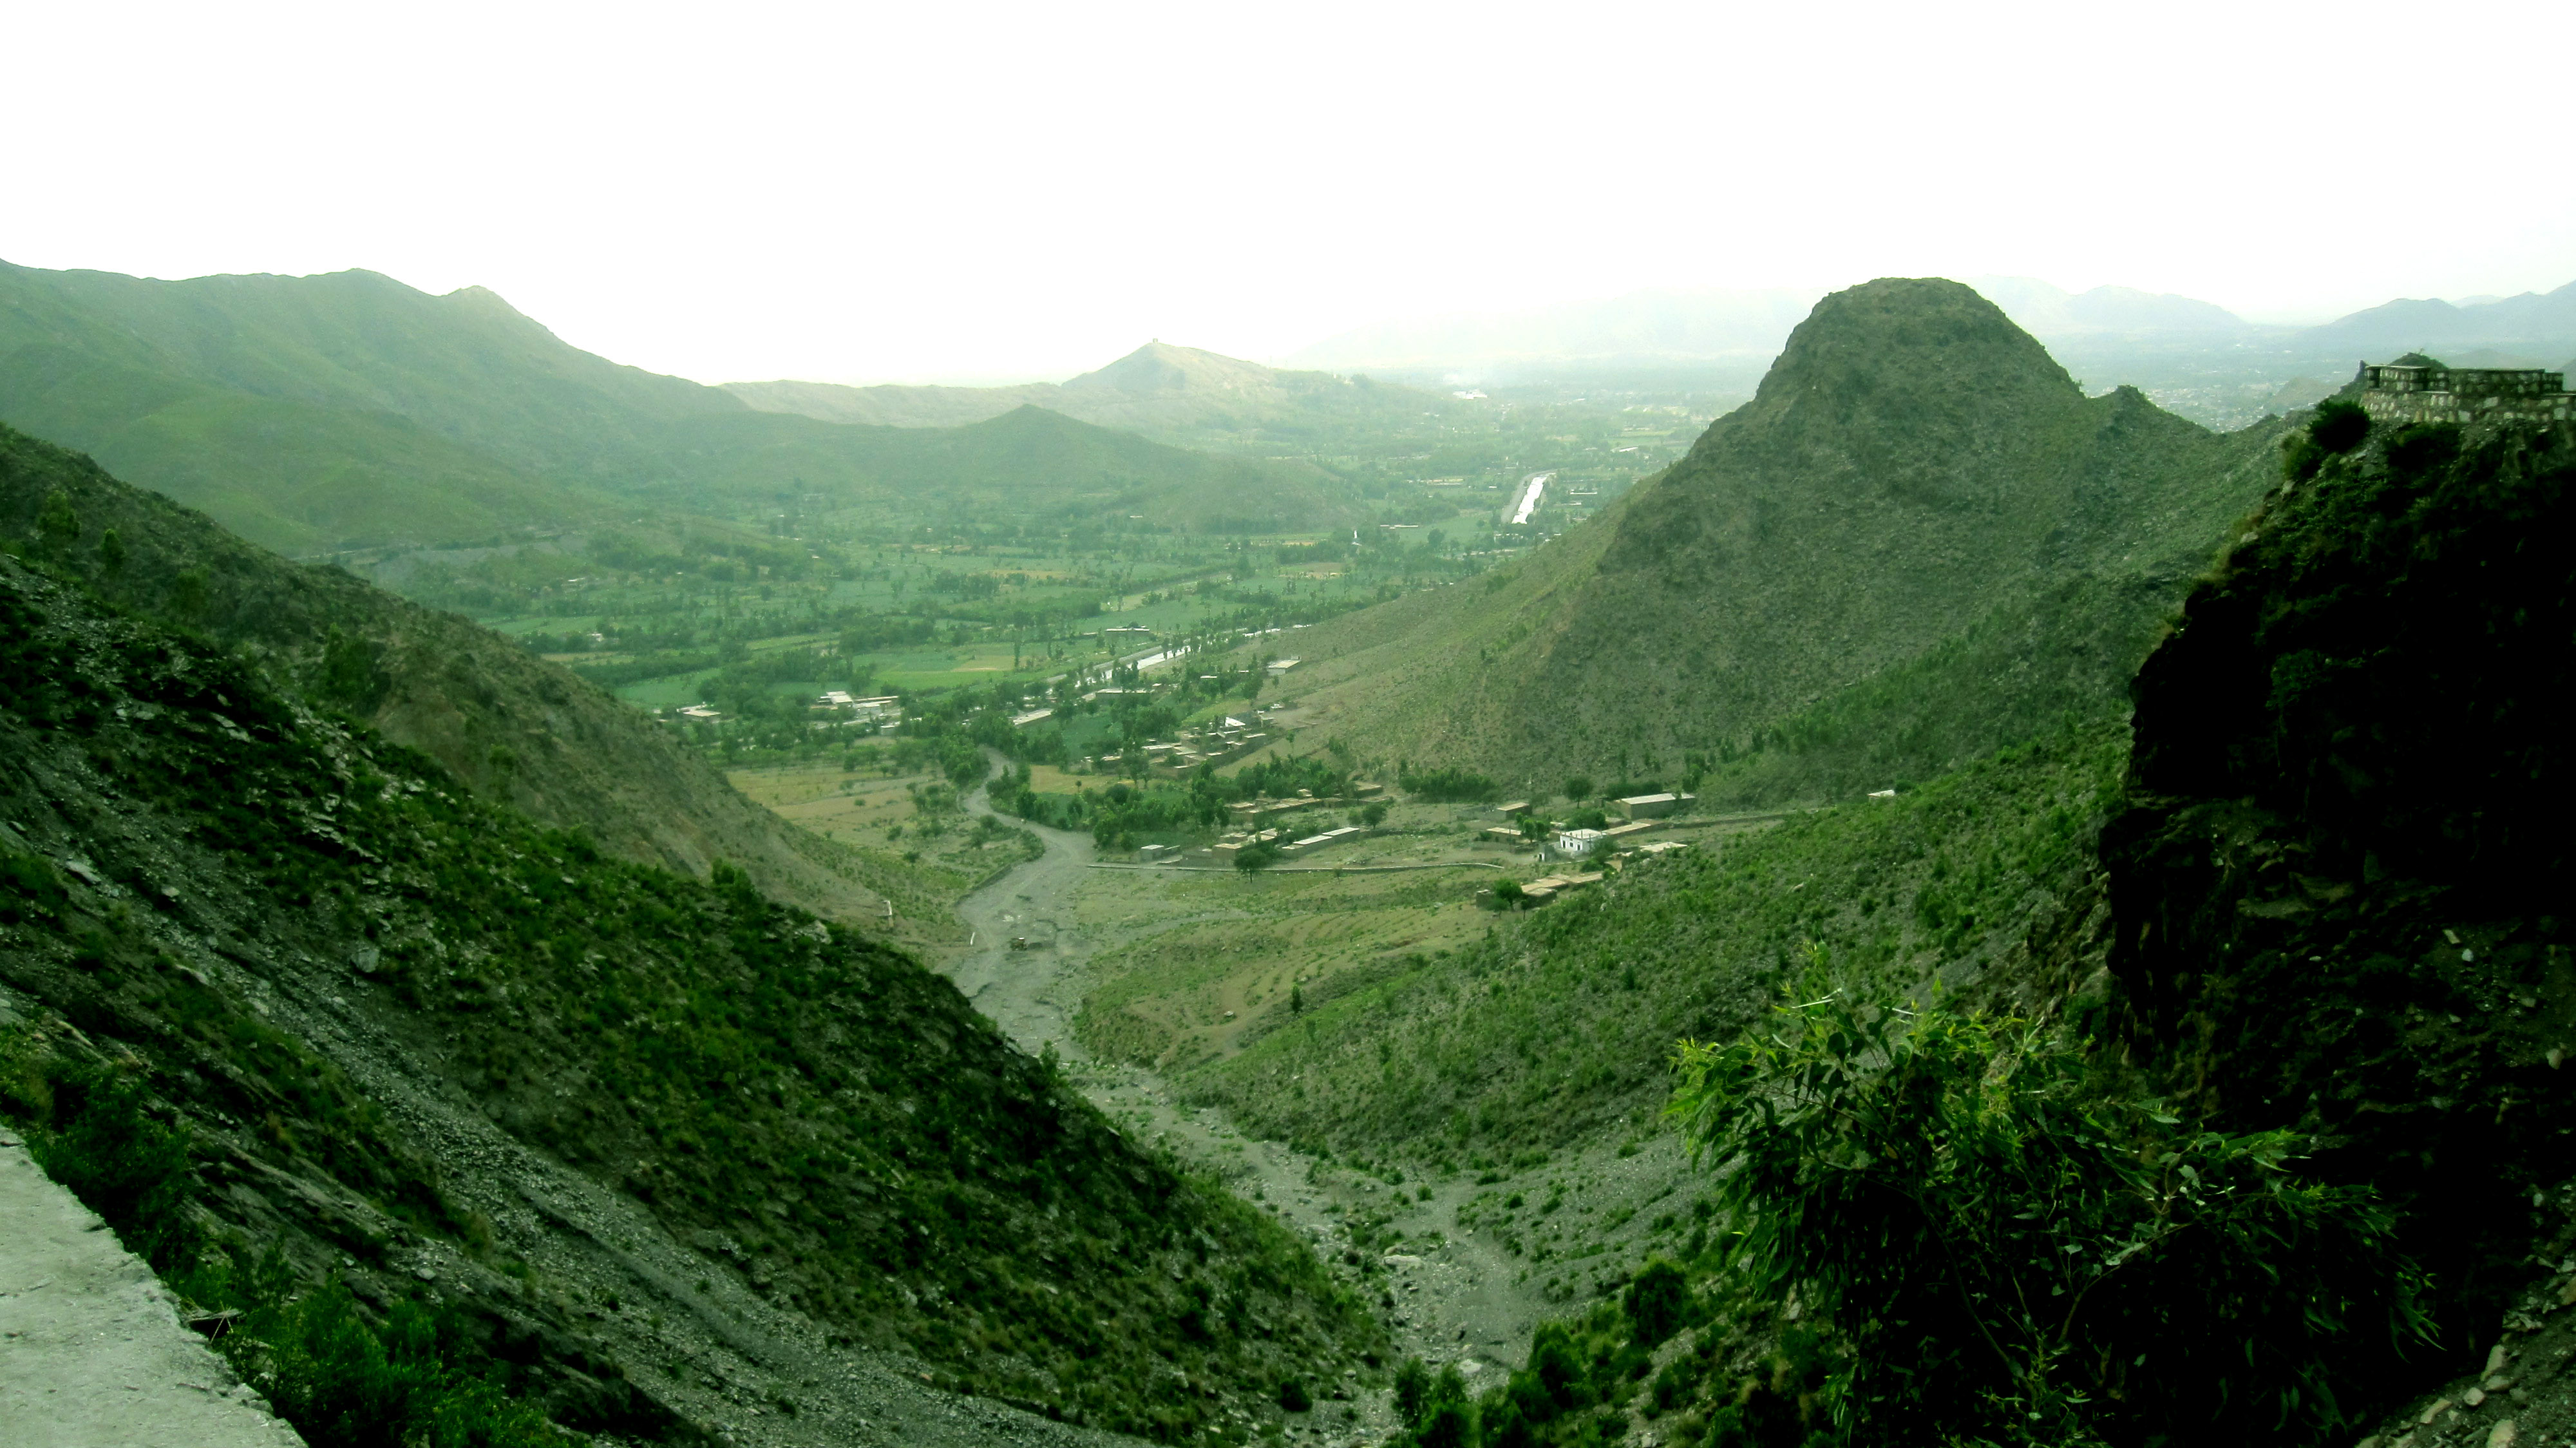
(511, 727)
(1918, 496)
(375, 1066)
(466, 365)
(314, 414)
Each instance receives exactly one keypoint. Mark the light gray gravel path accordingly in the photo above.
(92, 1352)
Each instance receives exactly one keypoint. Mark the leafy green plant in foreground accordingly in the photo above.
(2015, 1251)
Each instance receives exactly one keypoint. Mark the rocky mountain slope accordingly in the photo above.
(512, 728)
(463, 1121)
(1918, 502)
(2302, 926)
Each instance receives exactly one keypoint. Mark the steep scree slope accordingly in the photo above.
(281, 925)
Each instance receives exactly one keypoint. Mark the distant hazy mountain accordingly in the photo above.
(1712, 324)
(2533, 321)
(1028, 460)
(1920, 540)
(313, 413)
(1660, 325)
(2047, 311)
(1158, 388)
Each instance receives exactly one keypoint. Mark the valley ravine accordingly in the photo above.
(1453, 1298)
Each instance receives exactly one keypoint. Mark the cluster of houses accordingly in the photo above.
(1640, 811)
(1221, 741)
(838, 704)
(1279, 840)
(1548, 887)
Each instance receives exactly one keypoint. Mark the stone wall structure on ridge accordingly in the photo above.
(2402, 392)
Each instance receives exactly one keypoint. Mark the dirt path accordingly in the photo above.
(91, 1349)
(1448, 1295)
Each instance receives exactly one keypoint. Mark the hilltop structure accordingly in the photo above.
(2430, 392)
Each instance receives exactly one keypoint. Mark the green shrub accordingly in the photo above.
(2339, 425)
(1412, 1389)
(2014, 1251)
(1657, 1301)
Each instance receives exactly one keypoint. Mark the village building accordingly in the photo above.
(1575, 844)
(2402, 392)
(1652, 806)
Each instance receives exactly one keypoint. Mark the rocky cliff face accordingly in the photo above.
(2341, 895)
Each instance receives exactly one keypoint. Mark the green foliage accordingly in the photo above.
(1577, 788)
(342, 1380)
(2351, 785)
(2339, 425)
(57, 527)
(127, 1163)
(2014, 1251)
(1412, 1389)
(1657, 1301)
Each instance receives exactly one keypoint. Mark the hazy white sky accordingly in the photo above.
(859, 192)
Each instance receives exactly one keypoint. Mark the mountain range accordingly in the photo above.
(1720, 324)
(2108, 323)
(1156, 389)
(325, 412)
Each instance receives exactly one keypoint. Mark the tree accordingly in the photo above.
(57, 526)
(1508, 894)
(1656, 1302)
(1578, 788)
(1252, 858)
(1412, 1389)
(1373, 814)
(2018, 1250)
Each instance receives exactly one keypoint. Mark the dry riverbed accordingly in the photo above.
(1449, 1289)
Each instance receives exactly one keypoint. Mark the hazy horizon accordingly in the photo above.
(808, 192)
